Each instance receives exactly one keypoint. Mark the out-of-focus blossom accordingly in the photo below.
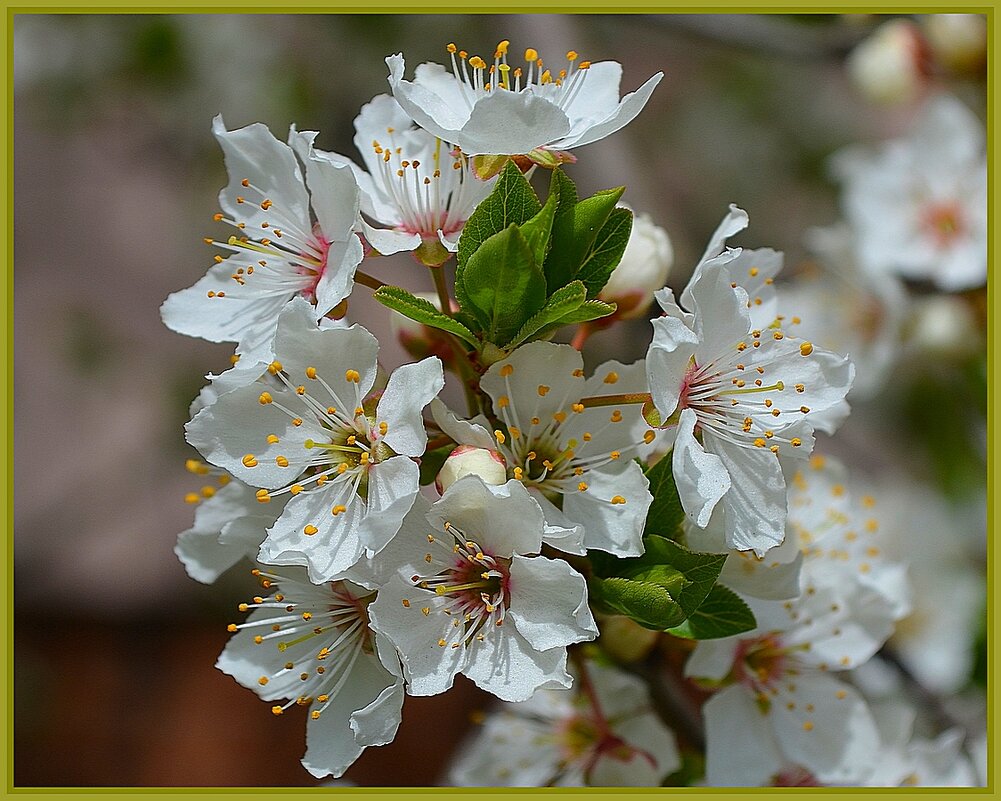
(557, 738)
(918, 205)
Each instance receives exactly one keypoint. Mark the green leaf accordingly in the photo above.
(700, 570)
(666, 512)
(538, 229)
(512, 202)
(503, 284)
(590, 215)
(562, 302)
(649, 604)
(422, 311)
(559, 266)
(585, 312)
(722, 614)
(606, 251)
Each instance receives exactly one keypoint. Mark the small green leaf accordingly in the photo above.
(590, 215)
(422, 311)
(561, 303)
(512, 202)
(585, 312)
(559, 266)
(648, 604)
(538, 229)
(722, 614)
(666, 512)
(606, 251)
(504, 284)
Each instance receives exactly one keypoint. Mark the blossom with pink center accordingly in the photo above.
(277, 251)
(742, 389)
(310, 428)
(463, 590)
(558, 738)
(415, 187)
(310, 645)
(918, 204)
(779, 705)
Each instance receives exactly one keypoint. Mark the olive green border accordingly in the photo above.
(577, 6)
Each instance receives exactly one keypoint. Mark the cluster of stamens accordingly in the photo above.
(347, 444)
(476, 78)
(542, 453)
(472, 582)
(282, 255)
(330, 616)
(207, 491)
(429, 197)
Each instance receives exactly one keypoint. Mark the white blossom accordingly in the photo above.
(500, 109)
(467, 593)
(577, 462)
(345, 456)
(308, 645)
(742, 389)
(890, 66)
(277, 252)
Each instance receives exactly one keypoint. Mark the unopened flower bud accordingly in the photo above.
(643, 269)
(944, 326)
(958, 41)
(469, 461)
(890, 66)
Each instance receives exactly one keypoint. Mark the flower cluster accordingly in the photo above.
(399, 541)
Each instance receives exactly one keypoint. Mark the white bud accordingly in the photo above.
(643, 269)
(888, 67)
(469, 461)
(958, 41)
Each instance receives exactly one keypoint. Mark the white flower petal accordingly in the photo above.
(549, 603)
(740, 748)
(411, 387)
(701, 477)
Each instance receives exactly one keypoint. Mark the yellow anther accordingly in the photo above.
(310, 530)
(795, 442)
(759, 443)
(648, 437)
(232, 627)
(616, 416)
(806, 349)
(559, 417)
(778, 335)
(383, 428)
(477, 63)
(364, 457)
(192, 497)
(258, 639)
(277, 710)
(451, 48)
(612, 377)
(342, 468)
(503, 402)
(275, 367)
(618, 499)
(272, 439)
(352, 375)
(518, 473)
(300, 390)
(572, 55)
(753, 272)
(263, 496)
(499, 436)
(208, 491)
(577, 408)
(263, 680)
(741, 346)
(774, 449)
(804, 409)
(614, 455)
(339, 509)
(531, 54)
(249, 460)
(265, 398)
(807, 725)
(506, 370)
(281, 461)
(584, 65)
(297, 422)
(582, 486)
(586, 436)
(543, 390)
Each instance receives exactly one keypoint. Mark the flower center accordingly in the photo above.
(476, 79)
(760, 663)
(276, 254)
(347, 439)
(473, 585)
(943, 222)
(428, 197)
(303, 616)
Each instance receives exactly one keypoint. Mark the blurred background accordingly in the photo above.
(116, 178)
